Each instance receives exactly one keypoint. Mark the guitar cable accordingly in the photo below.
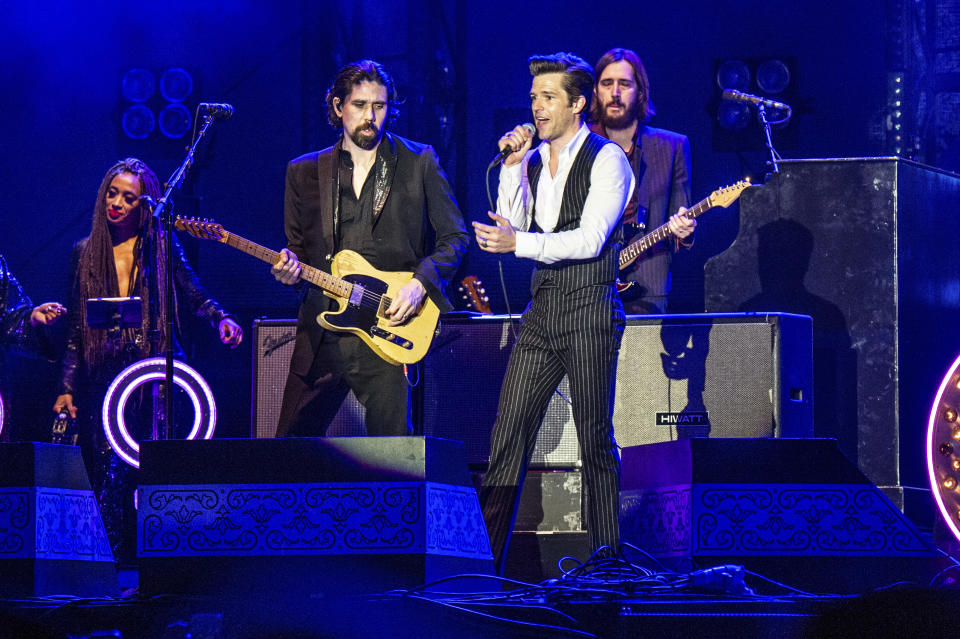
(406, 374)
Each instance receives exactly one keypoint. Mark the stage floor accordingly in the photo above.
(612, 599)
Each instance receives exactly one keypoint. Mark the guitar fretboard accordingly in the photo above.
(635, 249)
(326, 281)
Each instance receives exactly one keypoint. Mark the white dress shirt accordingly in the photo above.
(611, 185)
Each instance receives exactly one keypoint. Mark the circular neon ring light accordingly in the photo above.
(943, 448)
(149, 370)
(1, 414)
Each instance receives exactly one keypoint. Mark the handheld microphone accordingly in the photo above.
(737, 96)
(507, 150)
(217, 109)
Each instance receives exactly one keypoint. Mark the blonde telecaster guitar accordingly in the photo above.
(363, 293)
(721, 197)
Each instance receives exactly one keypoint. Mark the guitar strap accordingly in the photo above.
(639, 168)
(385, 168)
(334, 181)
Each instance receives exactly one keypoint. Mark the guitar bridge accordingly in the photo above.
(393, 338)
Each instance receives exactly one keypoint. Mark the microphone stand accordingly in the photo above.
(163, 215)
(762, 112)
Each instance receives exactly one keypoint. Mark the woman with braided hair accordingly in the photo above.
(113, 262)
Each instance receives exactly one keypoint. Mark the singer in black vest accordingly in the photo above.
(560, 204)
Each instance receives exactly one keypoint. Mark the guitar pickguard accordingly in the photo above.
(361, 317)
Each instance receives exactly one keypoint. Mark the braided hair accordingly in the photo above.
(97, 270)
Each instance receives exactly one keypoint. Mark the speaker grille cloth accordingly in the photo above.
(723, 369)
(461, 385)
(271, 364)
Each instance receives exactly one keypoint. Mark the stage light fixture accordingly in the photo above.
(138, 85)
(895, 111)
(733, 116)
(942, 461)
(153, 370)
(733, 74)
(174, 120)
(176, 84)
(773, 76)
(138, 122)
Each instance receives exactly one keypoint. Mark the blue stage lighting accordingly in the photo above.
(733, 116)
(733, 74)
(773, 76)
(176, 84)
(138, 85)
(174, 120)
(138, 122)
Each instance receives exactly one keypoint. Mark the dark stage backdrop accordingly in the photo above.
(464, 78)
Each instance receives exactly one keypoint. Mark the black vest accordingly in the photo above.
(571, 275)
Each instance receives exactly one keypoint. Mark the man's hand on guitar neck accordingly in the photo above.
(287, 270)
(682, 226)
(406, 302)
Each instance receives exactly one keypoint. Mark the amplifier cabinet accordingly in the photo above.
(273, 347)
(716, 375)
(678, 376)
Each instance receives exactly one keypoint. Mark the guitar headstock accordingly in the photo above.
(474, 294)
(204, 229)
(728, 195)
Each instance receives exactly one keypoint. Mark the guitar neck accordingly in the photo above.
(326, 281)
(636, 248)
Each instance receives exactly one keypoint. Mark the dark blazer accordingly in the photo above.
(16, 332)
(419, 228)
(663, 186)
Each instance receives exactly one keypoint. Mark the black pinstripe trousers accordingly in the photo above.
(577, 334)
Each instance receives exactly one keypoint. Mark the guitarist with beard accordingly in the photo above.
(387, 199)
(661, 165)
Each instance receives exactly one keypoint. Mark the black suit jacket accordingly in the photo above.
(419, 228)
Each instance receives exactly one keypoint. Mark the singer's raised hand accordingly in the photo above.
(519, 141)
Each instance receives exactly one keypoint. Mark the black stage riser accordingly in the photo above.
(52, 537)
(794, 509)
(322, 517)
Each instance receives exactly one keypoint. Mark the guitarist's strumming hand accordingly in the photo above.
(287, 270)
(681, 225)
(406, 302)
(496, 239)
